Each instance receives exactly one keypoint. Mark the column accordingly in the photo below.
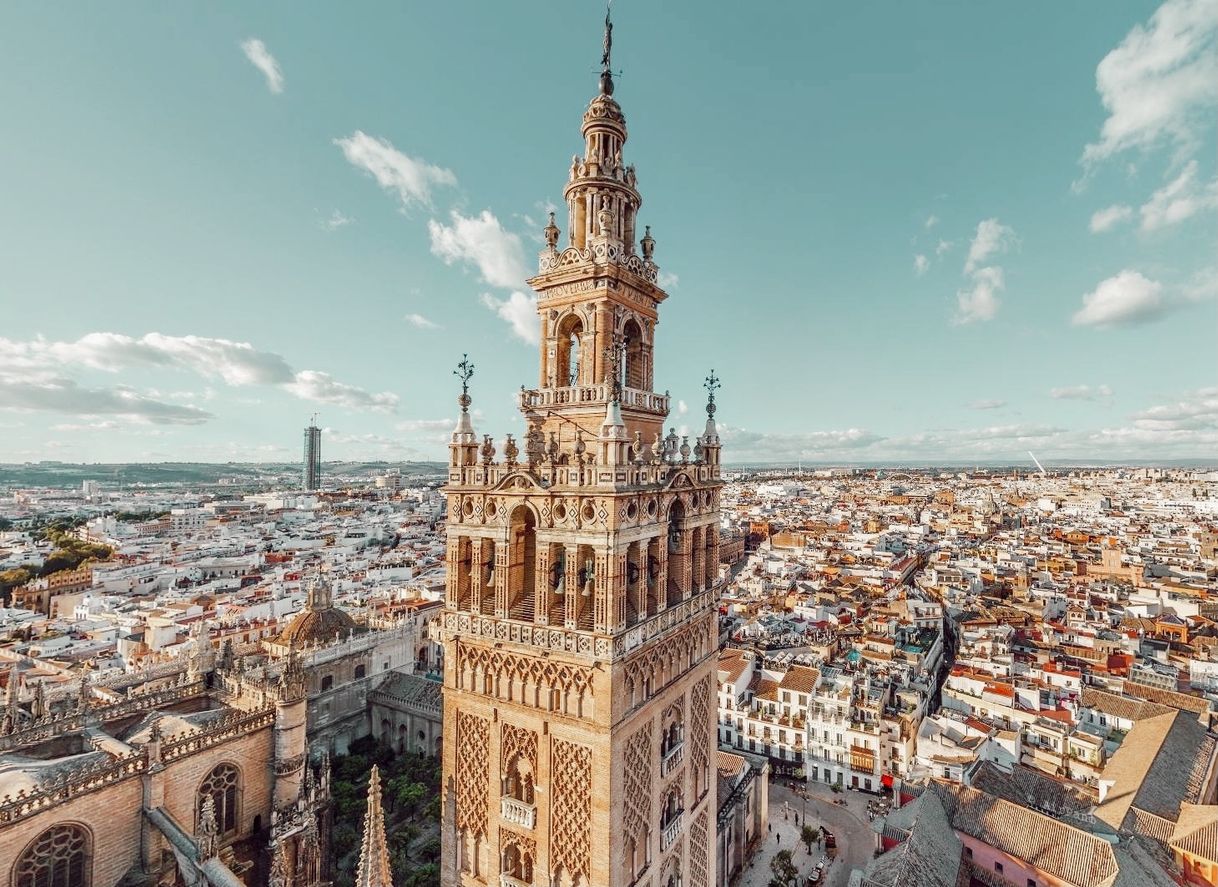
(712, 553)
(477, 574)
(503, 554)
(699, 559)
(602, 616)
(661, 581)
(638, 557)
(571, 598)
(544, 589)
(452, 584)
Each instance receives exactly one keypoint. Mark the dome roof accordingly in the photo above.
(316, 625)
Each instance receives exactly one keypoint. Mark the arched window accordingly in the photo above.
(633, 373)
(327, 682)
(360, 671)
(222, 785)
(569, 334)
(59, 857)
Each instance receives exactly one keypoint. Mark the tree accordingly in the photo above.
(809, 836)
(783, 868)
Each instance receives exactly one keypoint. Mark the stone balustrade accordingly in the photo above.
(672, 831)
(569, 640)
(672, 758)
(593, 395)
(506, 880)
(589, 475)
(518, 812)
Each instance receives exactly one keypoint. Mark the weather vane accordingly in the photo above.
(605, 63)
(712, 384)
(464, 371)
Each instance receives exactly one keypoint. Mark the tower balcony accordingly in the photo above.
(672, 758)
(506, 880)
(672, 831)
(592, 396)
(518, 812)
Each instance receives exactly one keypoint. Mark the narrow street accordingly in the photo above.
(848, 823)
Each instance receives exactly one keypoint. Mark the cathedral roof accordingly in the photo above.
(319, 622)
(316, 625)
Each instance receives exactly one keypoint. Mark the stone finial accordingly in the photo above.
(207, 838)
(374, 870)
(488, 450)
(551, 234)
(648, 244)
(510, 451)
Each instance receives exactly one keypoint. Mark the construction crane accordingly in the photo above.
(1037, 461)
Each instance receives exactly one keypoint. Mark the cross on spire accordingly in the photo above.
(712, 384)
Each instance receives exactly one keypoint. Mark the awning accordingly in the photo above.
(886, 780)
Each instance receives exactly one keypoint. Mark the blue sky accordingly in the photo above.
(956, 230)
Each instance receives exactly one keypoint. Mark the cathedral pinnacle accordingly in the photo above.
(464, 372)
(373, 868)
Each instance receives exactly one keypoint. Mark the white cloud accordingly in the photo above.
(921, 264)
(520, 311)
(480, 240)
(1160, 84)
(260, 57)
(987, 404)
(411, 179)
(682, 408)
(944, 246)
(668, 281)
(337, 220)
(931, 221)
(980, 302)
(1126, 299)
(1081, 392)
(323, 388)
(791, 446)
(992, 237)
(1179, 199)
(237, 364)
(1110, 217)
(421, 322)
(57, 394)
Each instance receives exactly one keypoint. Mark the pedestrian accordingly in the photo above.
(770, 826)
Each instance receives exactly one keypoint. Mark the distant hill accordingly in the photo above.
(110, 475)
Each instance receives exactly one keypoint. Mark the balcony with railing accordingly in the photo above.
(506, 880)
(518, 812)
(672, 758)
(672, 831)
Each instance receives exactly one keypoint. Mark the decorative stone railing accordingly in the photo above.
(590, 474)
(600, 252)
(50, 726)
(672, 758)
(221, 730)
(69, 784)
(518, 812)
(569, 640)
(506, 880)
(593, 395)
(672, 831)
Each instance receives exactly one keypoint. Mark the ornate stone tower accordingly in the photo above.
(580, 626)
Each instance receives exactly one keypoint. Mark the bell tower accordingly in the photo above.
(580, 622)
(597, 295)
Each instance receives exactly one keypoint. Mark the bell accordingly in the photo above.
(561, 588)
(588, 586)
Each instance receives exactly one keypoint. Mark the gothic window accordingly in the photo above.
(59, 857)
(518, 781)
(360, 671)
(222, 785)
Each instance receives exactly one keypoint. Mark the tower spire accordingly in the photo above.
(373, 868)
(607, 54)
